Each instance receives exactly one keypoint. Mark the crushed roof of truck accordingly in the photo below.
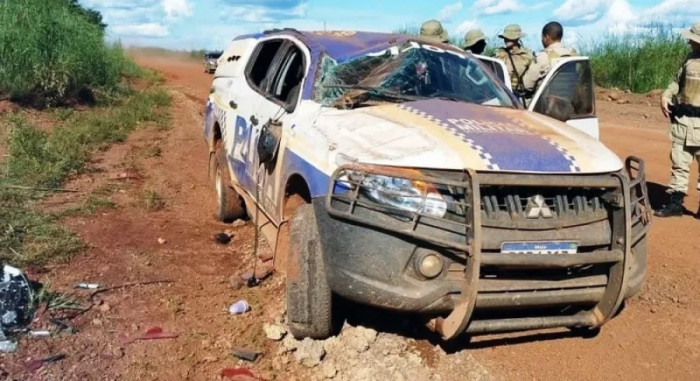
(339, 45)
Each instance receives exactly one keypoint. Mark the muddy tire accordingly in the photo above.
(230, 204)
(309, 297)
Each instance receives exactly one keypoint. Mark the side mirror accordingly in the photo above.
(269, 141)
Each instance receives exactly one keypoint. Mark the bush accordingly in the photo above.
(639, 61)
(53, 52)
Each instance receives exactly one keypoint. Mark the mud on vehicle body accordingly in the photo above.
(404, 174)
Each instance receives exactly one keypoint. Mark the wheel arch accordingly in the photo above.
(296, 192)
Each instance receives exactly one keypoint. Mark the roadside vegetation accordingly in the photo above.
(640, 61)
(54, 57)
(53, 53)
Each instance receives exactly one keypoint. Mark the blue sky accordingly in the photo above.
(210, 24)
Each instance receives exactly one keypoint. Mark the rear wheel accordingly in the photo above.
(230, 204)
(309, 297)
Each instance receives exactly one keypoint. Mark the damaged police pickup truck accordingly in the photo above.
(404, 174)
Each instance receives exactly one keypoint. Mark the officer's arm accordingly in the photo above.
(672, 88)
(536, 72)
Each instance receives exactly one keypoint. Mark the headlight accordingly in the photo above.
(403, 194)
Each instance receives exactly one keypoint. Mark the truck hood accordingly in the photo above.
(443, 134)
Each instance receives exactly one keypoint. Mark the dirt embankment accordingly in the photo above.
(655, 337)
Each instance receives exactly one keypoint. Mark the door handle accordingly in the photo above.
(233, 105)
(253, 120)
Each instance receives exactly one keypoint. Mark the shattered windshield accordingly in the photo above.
(405, 72)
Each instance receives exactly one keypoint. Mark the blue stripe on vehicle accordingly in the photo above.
(314, 177)
(502, 143)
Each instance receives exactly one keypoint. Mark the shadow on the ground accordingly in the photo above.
(657, 195)
(414, 327)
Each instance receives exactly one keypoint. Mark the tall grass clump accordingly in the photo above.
(639, 61)
(53, 52)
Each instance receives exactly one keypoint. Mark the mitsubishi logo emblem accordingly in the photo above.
(536, 208)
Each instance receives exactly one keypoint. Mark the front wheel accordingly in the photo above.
(309, 297)
(230, 204)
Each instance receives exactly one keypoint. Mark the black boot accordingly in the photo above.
(674, 208)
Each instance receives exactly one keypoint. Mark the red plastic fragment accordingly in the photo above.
(153, 333)
(239, 374)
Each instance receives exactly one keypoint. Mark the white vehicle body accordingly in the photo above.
(285, 126)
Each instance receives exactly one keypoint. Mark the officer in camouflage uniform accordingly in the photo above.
(681, 103)
(544, 61)
(434, 31)
(516, 57)
(475, 41)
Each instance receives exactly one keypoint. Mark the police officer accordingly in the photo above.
(554, 50)
(681, 103)
(516, 57)
(434, 31)
(475, 41)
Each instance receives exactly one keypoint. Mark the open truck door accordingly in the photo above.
(567, 94)
(498, 67)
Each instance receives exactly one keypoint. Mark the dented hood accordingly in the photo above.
(444, 134)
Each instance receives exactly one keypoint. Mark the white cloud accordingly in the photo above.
(466, 26)
(142, 30)
(176, 8)
(574, 10)
(496, 7)
(449, 11)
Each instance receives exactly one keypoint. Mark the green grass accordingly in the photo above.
(53, 52)
(153, 201)
(640, 61)
(45, 159)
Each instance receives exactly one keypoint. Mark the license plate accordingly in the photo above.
(555, 247)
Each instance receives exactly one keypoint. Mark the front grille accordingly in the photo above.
(508, 204)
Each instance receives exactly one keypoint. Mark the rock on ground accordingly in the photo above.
(274, 331)
(359, 354)
(309, 352)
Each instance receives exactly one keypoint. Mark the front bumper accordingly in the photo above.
(371, 255)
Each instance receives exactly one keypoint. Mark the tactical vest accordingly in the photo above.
(522, 59)
(556, 55)
(690, 83)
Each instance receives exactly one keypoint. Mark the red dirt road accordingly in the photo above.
(657, 336)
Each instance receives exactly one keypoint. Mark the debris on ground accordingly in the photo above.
(16, 310)
(236, 282)
(274, 332)
(239, 374)
(360, 353)
(38, 334)
(246, 354)
(223, 238)
(309, 352)
(127, 175)
(37, 364)
(239, 223)
(87, 286)
(240, 307)
(154, 333)
(162, 241)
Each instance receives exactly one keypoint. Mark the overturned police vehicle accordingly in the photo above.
(404, 174)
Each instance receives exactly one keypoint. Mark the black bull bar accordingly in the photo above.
(632, 224)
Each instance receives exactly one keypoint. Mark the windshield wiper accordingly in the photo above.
(381, 92)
